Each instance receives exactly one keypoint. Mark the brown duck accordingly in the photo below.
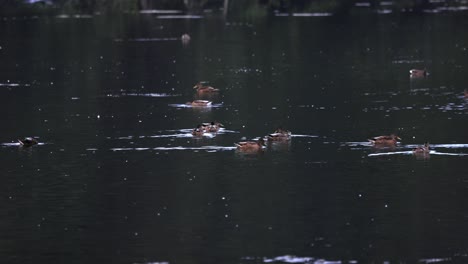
(27, 142)
(212, 127)
(422, 149)
(385, 140)
(198, 131)
(280, 134)
(204, 89)
(199, 103)
(250, 146)
(417, 73)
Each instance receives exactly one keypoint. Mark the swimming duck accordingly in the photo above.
(198, 131)
(185, 37)
(385, 140)
(251, 146)
(465, 93)
(27, 142)
(280, 134)
(204, 89)
(417, 73)
(199, 103)
(212, 127)
(422, 149)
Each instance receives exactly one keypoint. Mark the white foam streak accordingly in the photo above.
(206, 148)
(432, 152)
(305, 136)
(391, 153)
(146, 39)
(179, 17)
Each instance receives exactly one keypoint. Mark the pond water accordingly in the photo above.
(118, 177)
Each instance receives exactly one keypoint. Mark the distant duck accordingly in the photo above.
(417, 73)
(185, 38)
(204, 89)
(465, 93)
(199, 103)
(27, 142)
(280, 134)
(212, 127)
(385, 140)
(198, 131)
(250, 146)
(422, 149)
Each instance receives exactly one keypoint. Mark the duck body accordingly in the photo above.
(250, 146)
(391, 140)
(27, 142)
(204, 89)
(199, 103)
(185, 37)
(212, 127)
(465, 93)
(422, 149)
(280, 134)
(198, 131)
(417, 73)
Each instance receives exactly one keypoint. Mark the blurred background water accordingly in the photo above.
(118, 178)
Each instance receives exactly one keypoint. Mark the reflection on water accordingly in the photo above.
(121, 171)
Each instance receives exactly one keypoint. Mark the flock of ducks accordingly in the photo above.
(279, 134)
(392, 140)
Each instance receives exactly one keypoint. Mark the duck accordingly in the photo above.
(198, 131)
(465, 93)
(27, 142)
(212, 127)
(385, 140)
(204, 89)
(418, 73)
(422, 149)
(280, 134)
(199, 103)
(250, 146)
(185, 38)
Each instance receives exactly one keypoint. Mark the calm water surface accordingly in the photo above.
(118, 178)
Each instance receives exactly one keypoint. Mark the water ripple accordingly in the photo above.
(206, 148)
(143, 95)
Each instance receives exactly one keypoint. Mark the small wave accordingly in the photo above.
(407, 61)
(146, 39)
(191, 106)
(179, 17)
(384, 11)
(448, 154)
(64, 16)
(410, 152)
(304, 136)
(159, 11)
(432, 152)
(362, 4)
(187, 135)
(357, 144)
(12, 85)
(451, 146)
(312, 14)
(305, 260)
(206, 148)
(434, 260)
(143, 95)
(17, 144)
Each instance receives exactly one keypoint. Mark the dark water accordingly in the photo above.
(117, 177)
